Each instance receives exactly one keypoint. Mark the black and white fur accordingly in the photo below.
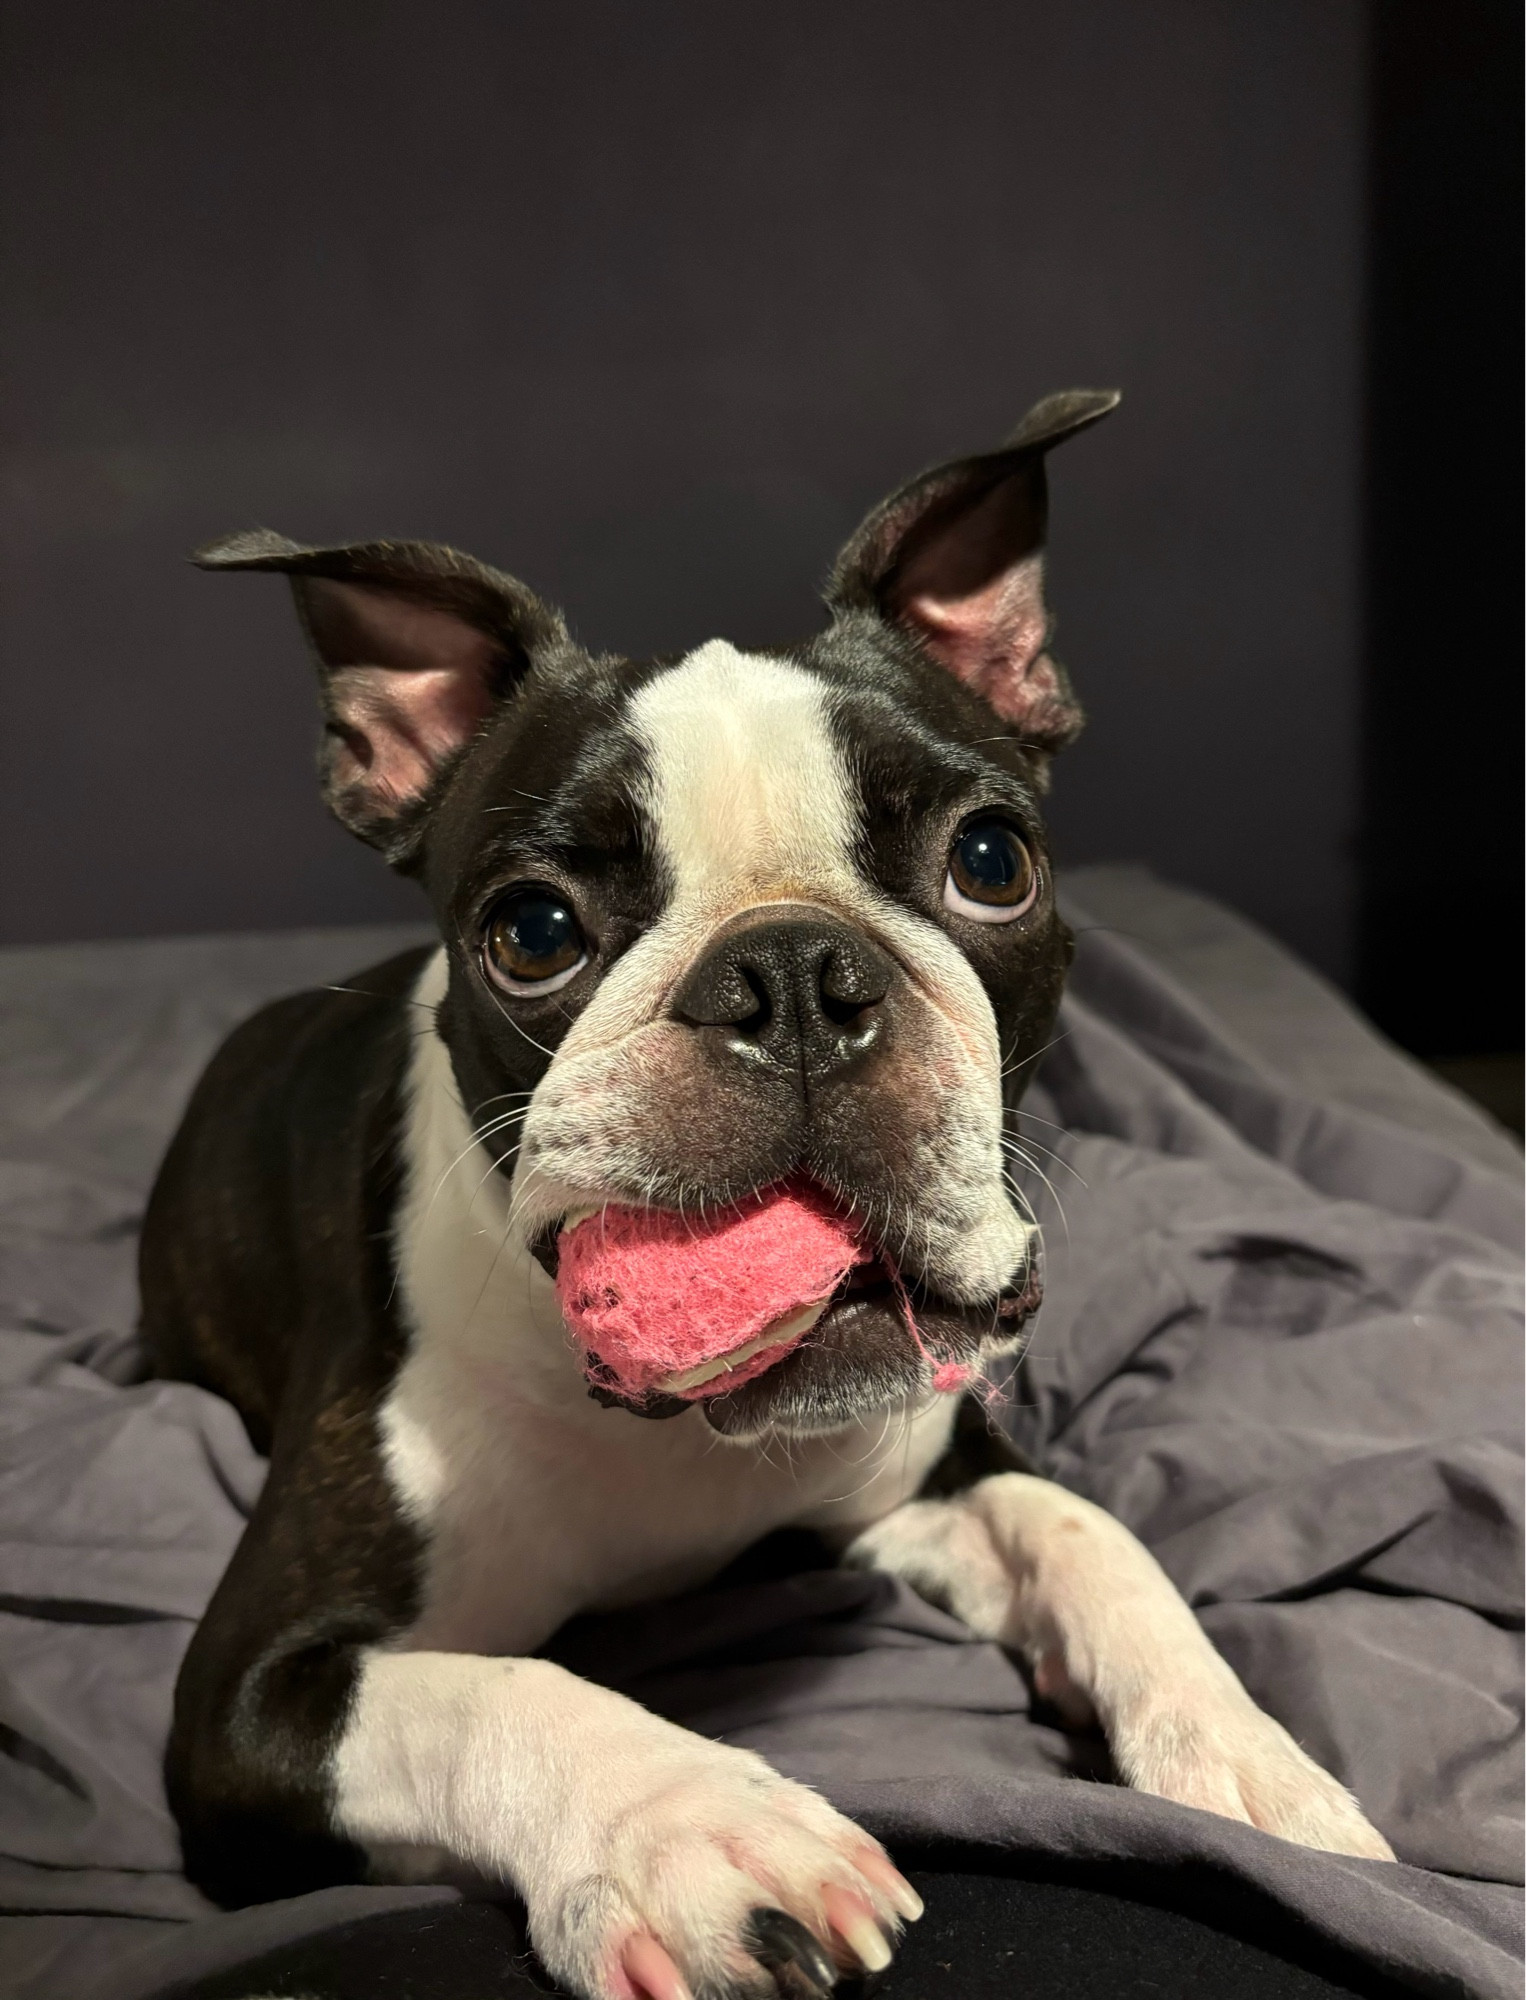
(351, 1233)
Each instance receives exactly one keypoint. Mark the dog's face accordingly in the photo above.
(775, 915)
(722, 920)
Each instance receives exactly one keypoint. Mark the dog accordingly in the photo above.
(709, 924)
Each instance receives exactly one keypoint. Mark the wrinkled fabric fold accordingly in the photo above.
(1281, 1340)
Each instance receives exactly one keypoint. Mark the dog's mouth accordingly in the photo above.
(869, 1339)
(727, 1372)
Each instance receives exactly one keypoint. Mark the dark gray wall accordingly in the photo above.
(647, 303)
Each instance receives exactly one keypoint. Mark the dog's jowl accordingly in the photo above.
(719, 934)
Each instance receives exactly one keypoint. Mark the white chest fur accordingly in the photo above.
(535, 1501)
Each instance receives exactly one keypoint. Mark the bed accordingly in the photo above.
(1281, 1341)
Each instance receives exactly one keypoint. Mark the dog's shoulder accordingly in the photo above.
(307, 1043)
(288, 1144)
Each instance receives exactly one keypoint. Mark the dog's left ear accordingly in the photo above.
(956, 557)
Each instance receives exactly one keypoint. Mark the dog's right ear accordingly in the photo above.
(416, 645)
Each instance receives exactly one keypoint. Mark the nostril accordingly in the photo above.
(850, 983)
(762, 1012)
(843, 1012)
(725, 994)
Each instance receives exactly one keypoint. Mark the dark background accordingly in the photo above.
(648, 303)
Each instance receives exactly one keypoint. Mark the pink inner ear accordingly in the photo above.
(973, 589)
(991, 638)
(396, 727)
(408, 684)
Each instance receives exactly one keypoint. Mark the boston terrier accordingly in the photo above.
(710, 925)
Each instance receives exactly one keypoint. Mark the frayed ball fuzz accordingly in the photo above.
(658, 1299)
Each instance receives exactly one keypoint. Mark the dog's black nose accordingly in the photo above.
(799, 991)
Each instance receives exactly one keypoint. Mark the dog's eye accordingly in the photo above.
(532, 943)
(991, 876)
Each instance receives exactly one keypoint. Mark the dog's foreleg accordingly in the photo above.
(1108, 1638)
(650, 1859)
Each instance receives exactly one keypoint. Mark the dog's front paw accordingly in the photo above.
(713, 1877)
(1224, 1755)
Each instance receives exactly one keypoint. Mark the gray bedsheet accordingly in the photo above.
(1282, 1341)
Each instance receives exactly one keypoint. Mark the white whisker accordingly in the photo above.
(1034, 1167)
(1048, 1151)
(430, 1007)
(1012, 1069)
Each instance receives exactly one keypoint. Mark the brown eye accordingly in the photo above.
(533, 942)
(991, 876)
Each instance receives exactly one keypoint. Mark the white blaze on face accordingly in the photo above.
(748, 792)
(750, 801)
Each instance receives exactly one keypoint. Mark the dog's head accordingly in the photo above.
(722, 920)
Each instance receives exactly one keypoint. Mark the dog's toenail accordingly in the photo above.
(853, 1920)
(797, 1960)
(651, 1971)
(889, 1880)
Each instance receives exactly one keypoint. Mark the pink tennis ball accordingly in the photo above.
(658, 1298)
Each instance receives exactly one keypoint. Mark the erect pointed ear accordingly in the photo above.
(416, 644)
(957, 558)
